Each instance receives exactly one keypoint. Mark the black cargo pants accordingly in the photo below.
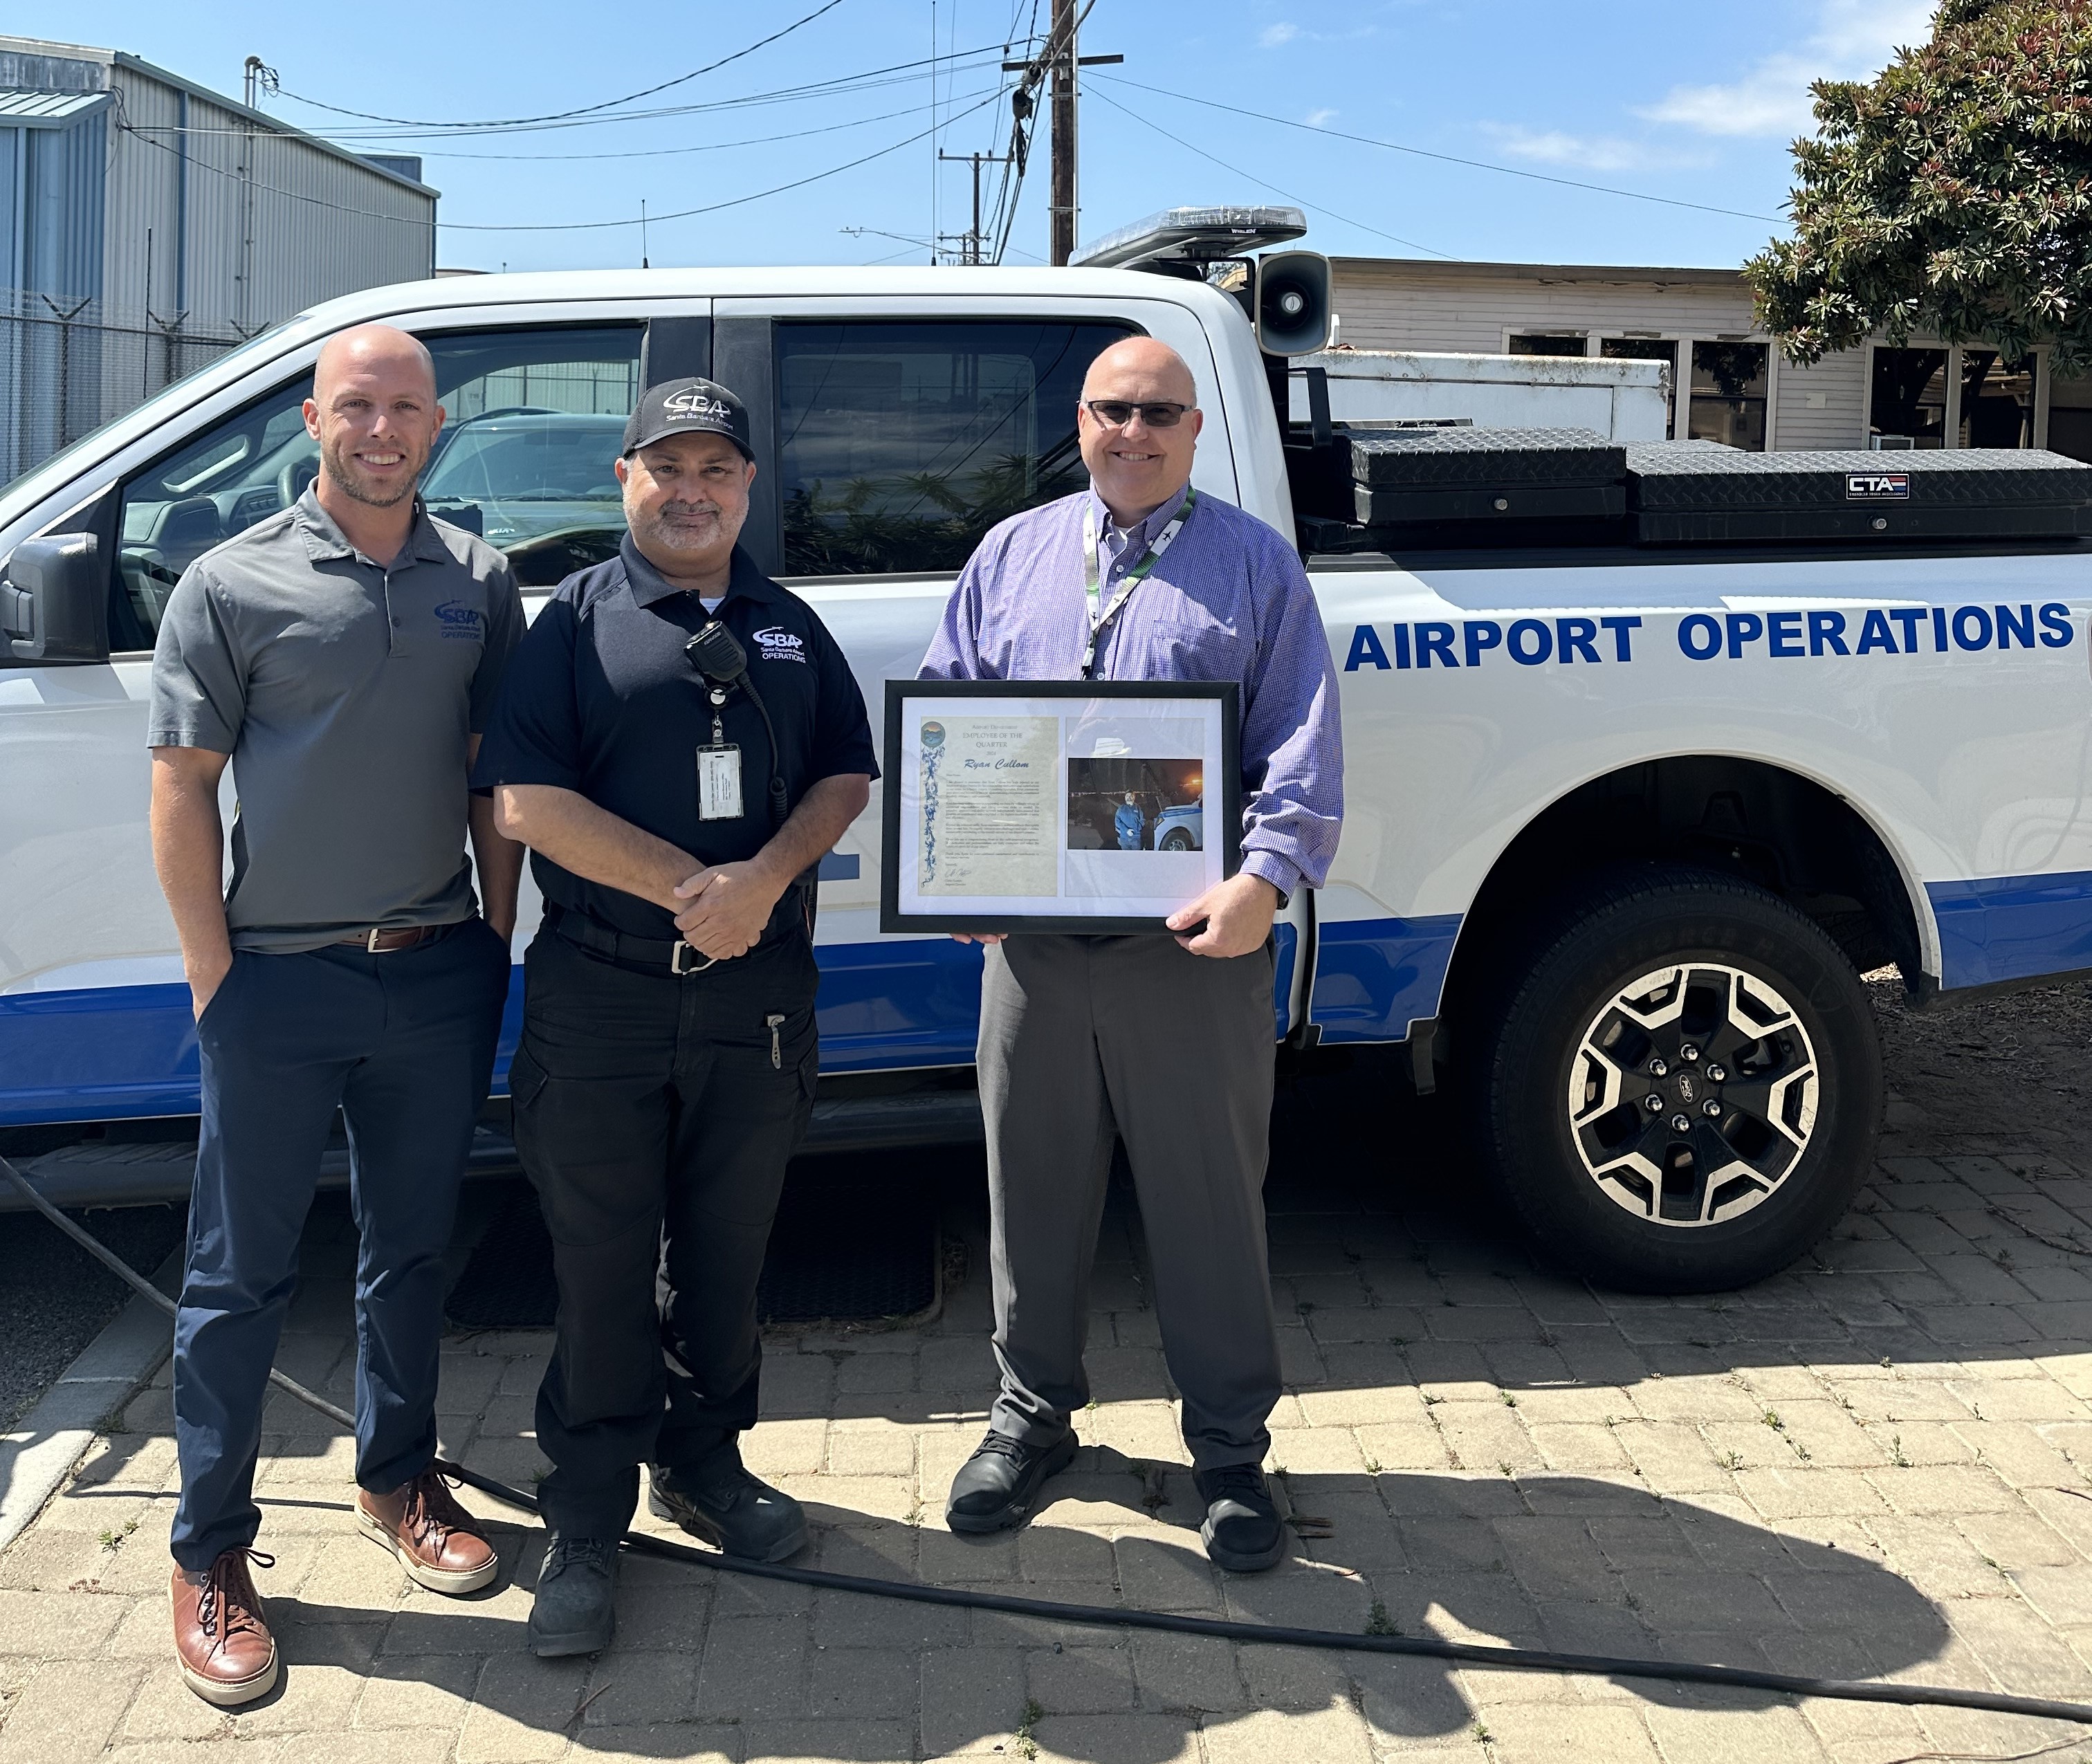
(655, 1115)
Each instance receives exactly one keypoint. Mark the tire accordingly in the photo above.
(1176, 840)
(1770, 1077)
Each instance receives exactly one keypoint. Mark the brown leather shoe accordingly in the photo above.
(438, 1542)
(224, 1650)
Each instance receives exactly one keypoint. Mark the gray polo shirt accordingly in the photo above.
(345, 691)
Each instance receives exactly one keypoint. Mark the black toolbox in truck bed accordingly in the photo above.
(1680, 492)
(1406, 476)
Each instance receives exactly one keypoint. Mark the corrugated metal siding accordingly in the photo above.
(303, 225)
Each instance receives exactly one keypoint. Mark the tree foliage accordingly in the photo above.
(1950, 196)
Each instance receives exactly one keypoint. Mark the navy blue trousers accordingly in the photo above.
(403, 1044)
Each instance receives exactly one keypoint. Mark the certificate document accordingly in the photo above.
(990, 820)
(1056, 805)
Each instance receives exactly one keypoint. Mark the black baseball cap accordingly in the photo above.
(690, 406)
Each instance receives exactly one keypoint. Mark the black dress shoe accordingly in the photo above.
(996, 1488)
(1242, 1533)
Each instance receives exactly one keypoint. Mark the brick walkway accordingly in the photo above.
(1868, 1467)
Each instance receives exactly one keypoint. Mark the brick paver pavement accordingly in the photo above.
(1874, 1465)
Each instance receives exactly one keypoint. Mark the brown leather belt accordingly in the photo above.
(381, 942)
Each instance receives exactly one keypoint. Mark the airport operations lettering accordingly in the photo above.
(1710, 637)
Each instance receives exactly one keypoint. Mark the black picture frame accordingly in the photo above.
(1224, 800)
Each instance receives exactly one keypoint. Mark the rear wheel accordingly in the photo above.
(1678, 1082)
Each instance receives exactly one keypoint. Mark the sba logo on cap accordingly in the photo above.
(690, 403)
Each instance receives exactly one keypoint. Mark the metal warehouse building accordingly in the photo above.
(149, 224)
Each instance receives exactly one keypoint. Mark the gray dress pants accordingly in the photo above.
(1084, 1040)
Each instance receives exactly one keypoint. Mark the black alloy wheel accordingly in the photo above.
(1678, 1083)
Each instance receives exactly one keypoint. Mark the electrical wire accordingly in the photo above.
(869, 80)
(1172, 1623)
(564, 227)
(1215, 158)
(633, 153)
(588, 109)
(1450, 159)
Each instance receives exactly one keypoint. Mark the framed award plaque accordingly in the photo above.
(1078, 805)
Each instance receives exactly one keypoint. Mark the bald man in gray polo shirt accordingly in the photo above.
(343, 655)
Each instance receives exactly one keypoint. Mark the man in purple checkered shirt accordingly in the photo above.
(1163, 1042)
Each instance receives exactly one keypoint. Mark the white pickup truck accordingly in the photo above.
(1629, 812)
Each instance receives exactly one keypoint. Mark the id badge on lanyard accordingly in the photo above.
(1130, 580)
(719, 772)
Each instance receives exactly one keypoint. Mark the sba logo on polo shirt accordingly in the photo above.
(460, 621)
(778, 644)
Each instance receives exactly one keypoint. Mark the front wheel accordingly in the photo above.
(1176, 840)
(1678, 1085)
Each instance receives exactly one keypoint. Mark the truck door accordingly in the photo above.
(891, 434)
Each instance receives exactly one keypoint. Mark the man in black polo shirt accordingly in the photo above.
(668, 1057)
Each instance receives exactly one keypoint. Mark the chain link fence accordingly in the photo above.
(67, 366)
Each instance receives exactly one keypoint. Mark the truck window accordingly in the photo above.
(900, 444)
(533, 423)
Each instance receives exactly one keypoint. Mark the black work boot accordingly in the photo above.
(997, 1486)
(575, 1610)
(730, 1509)
(1242, 1534)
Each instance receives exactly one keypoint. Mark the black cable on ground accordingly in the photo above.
(1115, 1617)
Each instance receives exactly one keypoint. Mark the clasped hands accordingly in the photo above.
(728, 906)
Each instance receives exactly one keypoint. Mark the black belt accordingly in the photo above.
(641, 955)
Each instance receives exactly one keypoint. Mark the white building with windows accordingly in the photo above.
(1730, 382)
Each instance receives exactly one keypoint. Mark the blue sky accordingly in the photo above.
(1695, 103)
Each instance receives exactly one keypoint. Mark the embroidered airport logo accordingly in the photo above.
(778, 644)
(460, 621)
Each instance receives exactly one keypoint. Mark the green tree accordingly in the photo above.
(1951, 196)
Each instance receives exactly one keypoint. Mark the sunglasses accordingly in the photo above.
(1117, 413)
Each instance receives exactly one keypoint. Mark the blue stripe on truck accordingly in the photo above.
(2008, 928)
(1373, 977)
(118, 1053)
(109, 1053)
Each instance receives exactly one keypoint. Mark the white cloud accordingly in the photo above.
(1273, 35)
(1320, 118)
(1853, 39)
(1553, 147)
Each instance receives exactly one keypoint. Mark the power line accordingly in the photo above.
(1450, 159)
(590, 109)
(647, 152)
(559, 226)
(1429, 250)
(899, 73)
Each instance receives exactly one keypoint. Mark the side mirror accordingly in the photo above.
(54, 601)
(1295, 303)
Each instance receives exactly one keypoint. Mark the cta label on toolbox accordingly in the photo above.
(1796, 635)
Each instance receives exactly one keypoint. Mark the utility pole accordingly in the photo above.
(1063, 201)
(1061, 60)
(261, 78)
(970, 245)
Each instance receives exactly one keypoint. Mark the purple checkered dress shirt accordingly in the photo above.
(1228, 600)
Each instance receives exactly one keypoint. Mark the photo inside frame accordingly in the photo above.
(1136, 804)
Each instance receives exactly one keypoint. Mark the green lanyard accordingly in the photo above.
(1133, 577)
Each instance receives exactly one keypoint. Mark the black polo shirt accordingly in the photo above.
(600, 699)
